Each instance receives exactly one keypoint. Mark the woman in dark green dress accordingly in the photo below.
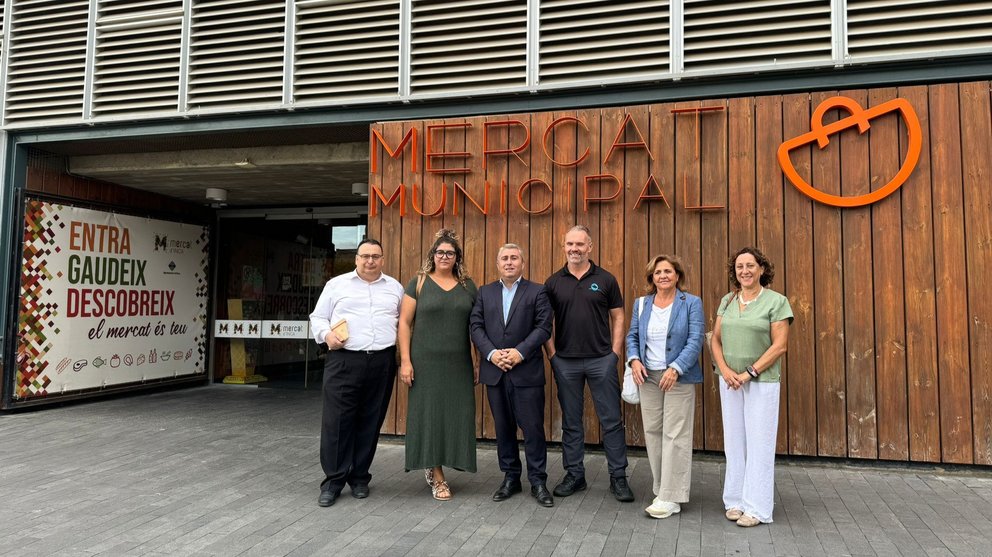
(438, 364)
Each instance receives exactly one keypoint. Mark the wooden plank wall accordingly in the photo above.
(889, 350)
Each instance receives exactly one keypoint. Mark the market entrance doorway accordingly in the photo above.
(271, 267)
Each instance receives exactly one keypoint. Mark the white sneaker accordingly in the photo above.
(662, 509)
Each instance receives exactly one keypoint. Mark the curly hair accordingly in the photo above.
(766, 277)
(446, 236)
(676, 264)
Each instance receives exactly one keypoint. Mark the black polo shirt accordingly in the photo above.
(582, 311)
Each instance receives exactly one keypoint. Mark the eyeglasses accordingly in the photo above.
(445, 254)
(370, 256)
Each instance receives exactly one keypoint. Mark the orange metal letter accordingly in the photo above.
(861, 118)
(502, 195)
(440, 206)
(644, 195)
(685, 198)
(456, 187)
(513, 151)
(527, 185)
(617, 143)
(376, 193)
(547, 132)
(411, 137)
(697, 110)
(598, 177)
(430, 154)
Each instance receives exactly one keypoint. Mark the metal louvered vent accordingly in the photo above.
(603, 39)
(346, 49)
(468, 44)
(236, 53)
(137, 56)
(46, 61)
(932, 27)
(724, 35)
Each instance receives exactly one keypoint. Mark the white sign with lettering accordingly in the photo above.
(286, 329)
(237, 328)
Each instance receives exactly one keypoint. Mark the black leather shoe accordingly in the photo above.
(621, 490)
(327, 497)
(543, 496)
(569, 485)
(360, 491)
(507, 489)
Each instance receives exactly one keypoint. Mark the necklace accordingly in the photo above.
(752, 300)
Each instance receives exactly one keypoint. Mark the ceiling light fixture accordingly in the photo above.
(216, 194)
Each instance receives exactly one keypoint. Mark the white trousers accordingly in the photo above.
(668, 419)
(750, 428)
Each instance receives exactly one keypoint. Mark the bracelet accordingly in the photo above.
(752, 372)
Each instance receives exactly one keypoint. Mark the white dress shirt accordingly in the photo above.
(372, 310)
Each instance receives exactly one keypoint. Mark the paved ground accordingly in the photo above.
(233, 471)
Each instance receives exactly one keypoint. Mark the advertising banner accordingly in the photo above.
(108, 299)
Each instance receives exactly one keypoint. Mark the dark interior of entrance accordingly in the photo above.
(273, 269)
(299, 194)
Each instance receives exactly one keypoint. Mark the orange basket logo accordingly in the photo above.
(861, 118)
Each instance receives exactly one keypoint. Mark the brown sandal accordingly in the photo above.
(429, 475)
(441, 491)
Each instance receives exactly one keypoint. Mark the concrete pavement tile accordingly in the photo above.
(232, 471)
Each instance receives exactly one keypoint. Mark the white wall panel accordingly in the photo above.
(78, 61)
(722, 36)
(137, 56)
(236, 53)
(467, 45)
(921, 27)
(346, 50)
(603, 39)
(46, 61)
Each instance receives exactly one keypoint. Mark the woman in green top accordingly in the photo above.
(749, 338)
(440, 419)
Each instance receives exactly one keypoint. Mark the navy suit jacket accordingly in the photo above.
(526, 329)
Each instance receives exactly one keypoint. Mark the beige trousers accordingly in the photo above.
(668, 420)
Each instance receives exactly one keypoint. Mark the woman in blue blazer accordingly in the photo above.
(663, 344)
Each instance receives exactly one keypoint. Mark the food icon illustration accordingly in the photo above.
(177, 355)
(128, 360)
(99, 362)
(141, 359)
(189, 353)
(80, 364)
(63, 364)
(152, 356)
(115, 361)
(165, 355)
(859, 118)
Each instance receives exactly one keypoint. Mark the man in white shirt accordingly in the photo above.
(359, 369)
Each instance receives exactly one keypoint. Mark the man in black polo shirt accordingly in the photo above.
(586, 346)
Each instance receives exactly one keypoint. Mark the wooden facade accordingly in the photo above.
(889, 351)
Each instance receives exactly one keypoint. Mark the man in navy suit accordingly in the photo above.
(510, 322)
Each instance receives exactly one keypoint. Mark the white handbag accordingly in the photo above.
(630, 392)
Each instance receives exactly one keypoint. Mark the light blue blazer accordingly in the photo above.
(685, 334)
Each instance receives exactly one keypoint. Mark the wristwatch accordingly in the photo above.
(752, 372)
